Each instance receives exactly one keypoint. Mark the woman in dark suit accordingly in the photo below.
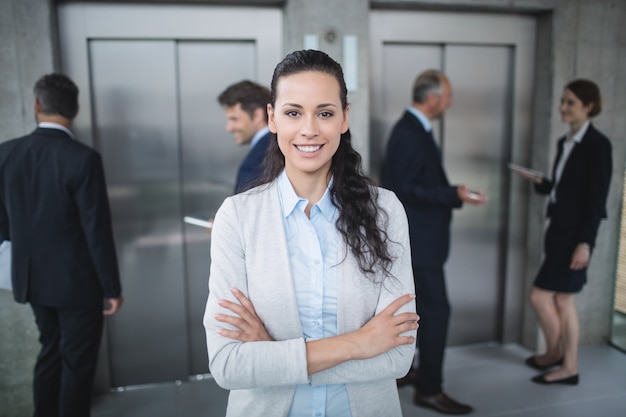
(577, 193)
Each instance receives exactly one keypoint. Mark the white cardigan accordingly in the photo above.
(249, 252)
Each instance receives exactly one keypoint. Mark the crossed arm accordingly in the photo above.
(254, 334)
(379, 335)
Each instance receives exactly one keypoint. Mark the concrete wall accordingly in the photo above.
(576, 38)
(26, 47)
(345, 17)
(27, 51)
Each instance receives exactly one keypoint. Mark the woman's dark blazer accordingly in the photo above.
(55, 210)
(583, 187)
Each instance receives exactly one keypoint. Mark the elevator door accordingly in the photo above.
(486, 58)
(149, 92)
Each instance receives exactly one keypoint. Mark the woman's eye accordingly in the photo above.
(326, 114)
(291, 113)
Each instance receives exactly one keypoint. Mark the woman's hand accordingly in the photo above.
(384, 331)
(580, 258)
(526, 174)
(251, 328)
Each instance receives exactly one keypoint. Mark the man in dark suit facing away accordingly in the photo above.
(54, 208)
(413, 169)
(245, 105)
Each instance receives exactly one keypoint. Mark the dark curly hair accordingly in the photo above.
(352, 192)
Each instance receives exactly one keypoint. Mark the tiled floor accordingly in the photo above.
(490, 377)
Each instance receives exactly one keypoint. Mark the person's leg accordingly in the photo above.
(47, 374)
(545, 308)
(434, 311)
(81, 331)
(570, 330)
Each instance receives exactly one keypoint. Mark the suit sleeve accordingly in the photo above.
(95, 217)
(599, 179)
(544, 187)
(4, 223)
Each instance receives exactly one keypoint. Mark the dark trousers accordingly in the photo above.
(434, 311)
(66, 365)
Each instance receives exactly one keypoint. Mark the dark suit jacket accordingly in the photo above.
(583, 187)
(413, 170)
(252, 166)
(54, 208)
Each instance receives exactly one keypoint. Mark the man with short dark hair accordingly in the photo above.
(245, 105)
(54, 209)
(413, 169)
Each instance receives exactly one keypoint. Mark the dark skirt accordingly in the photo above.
(555, 273)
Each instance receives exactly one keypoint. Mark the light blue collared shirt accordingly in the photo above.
(258, 135)
(313, 253)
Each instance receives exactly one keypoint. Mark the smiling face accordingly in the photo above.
(573, 111)
(241, 125)
(308, 120)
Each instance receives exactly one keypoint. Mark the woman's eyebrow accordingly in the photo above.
(300, 106)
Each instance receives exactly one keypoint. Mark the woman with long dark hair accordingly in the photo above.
(311, 297)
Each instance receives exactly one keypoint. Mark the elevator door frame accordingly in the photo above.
(178, 22)
(451, 28)
(80, 24)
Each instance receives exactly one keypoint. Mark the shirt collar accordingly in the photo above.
(420, 116)
(52, 125)
(578, 136)
(258, 135)
(288, 197)
(290, 200)
(326, 206)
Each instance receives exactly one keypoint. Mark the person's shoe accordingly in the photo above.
(532, 362)
(407, 379)
(570, 380)
(441, 403)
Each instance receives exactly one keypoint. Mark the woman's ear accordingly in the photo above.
(346, 116)
(270, 118)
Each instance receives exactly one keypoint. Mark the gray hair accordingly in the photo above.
(426, 83)
(57, 94)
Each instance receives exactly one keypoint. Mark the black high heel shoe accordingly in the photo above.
(570, 380)
(532, 362)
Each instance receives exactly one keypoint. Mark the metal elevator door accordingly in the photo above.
(486, 60)
(151, 96)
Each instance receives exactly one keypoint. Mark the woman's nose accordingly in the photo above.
(309, 127)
